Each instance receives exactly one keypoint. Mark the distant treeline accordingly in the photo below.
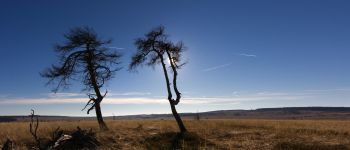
(7, 119)
(324, 109)
(262, 113)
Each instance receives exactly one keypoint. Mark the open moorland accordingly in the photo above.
(240, 134)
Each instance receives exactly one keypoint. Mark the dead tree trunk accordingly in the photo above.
(33, 128)
(99, 97)
(171, 100)
(178, 119)
(100, 121)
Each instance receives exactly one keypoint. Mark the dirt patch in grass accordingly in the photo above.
(312, 146)
(173, 140)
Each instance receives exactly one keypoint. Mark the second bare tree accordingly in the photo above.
(155, 48)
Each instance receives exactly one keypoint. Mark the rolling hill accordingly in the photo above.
(337, 113)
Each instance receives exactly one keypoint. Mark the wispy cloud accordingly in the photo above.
(118, 48)
(329, 90)
(139, 98)
(82, 95)
(24, 101)
(235, 93)
(217, 67)
(58, 95)
(136, 101)
(130, 94)
(249, 97)
(3, 95)
(158, 100)
(247, 55)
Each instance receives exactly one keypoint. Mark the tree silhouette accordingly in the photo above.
(155, 49)
(85, 58)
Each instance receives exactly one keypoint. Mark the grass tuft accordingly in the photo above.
(303, 146)
(238, 134)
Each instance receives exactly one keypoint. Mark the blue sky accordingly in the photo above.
(242, 54)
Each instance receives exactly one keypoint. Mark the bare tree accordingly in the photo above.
(156, 49)
(84, 57)
(33, 128)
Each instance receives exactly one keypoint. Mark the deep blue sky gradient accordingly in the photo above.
(296, 53)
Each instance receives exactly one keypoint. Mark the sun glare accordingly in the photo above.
(168, 61)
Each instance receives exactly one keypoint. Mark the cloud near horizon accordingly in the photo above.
(66, 98)
(130, 94)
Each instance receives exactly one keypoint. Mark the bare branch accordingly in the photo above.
(90, 102)
(33, 127)
(105, 94)
(91, 108)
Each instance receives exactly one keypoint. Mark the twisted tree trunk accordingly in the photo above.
(96, 88)
(178, 119)
(171, 100)
(99, 117)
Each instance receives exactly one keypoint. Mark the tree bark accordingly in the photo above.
(173, 67)
(178, 119)
(171, 101)
(99, 98)
(99, 117)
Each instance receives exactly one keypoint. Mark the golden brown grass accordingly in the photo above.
(205, 134)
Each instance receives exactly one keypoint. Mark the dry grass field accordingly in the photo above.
(240, 134)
